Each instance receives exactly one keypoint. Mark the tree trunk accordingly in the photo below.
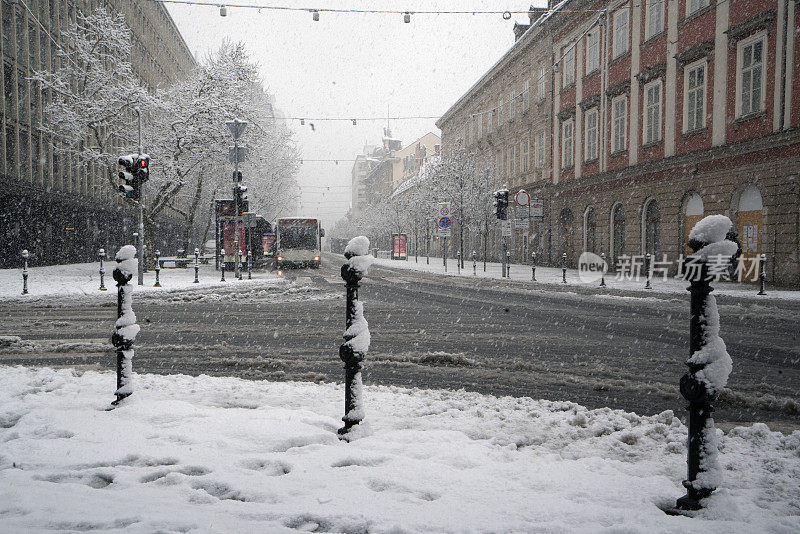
(190, 216)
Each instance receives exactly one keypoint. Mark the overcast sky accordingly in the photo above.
(356, 65)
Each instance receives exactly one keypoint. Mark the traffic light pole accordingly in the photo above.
(238, 269)
(140, 252)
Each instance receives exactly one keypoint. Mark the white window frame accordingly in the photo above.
(655, 18)
(590, 136)
(526, 150)
(526, 96)
(542, 82)
(500, 112)
(490, 121)
(479, 119)
(540, 147)
(568, 144)
(621, 42)
(696, 5)
(689, 95)
(511, 106)
(740, 48)
(512, 156)
(622, 122)
(568, 67)
(652, 112)
(592, 51)
(500, 168)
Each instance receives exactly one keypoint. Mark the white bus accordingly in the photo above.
(298, 242)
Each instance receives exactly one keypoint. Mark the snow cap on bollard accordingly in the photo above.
(707, 238)
(357, 252)
(127, 265)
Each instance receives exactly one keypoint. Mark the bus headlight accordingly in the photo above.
(316, 258)
(280, 258)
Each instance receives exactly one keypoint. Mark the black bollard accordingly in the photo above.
(762, 275)
(158, 269)
(354, 349)
(125, 327)
(603, 272)
(533, 266)
(564, 268)
(458, 261)
(239, 256)
(222, 265)
(508, 264)
(196, 265)
(696, 392)
(25, 255)
(647, 261)
(474, 263)
(102, 254)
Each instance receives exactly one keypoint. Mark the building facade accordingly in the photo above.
(57, 209)
(665, 111)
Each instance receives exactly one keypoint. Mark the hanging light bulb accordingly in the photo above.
(312, 126)
(315, 15)
(223, 11)
(302, 122)
(407, 17)
(354, 122)
(337, 161)
(555, 67)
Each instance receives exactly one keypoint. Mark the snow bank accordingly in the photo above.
(206, 454)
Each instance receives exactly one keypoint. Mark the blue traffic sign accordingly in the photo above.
(444, 222)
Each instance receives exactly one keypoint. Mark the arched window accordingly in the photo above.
(652, 228)
(749, 221)
(589, 230)
(617, 232)
(692, 214)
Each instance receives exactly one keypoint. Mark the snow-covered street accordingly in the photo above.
(227, 455)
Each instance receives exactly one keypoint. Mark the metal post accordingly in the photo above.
(125, 330)
(503, 259)
(564, 268)
(474, 263)
(603, 272)
(140, 248)
(158, 269)
(647, 260)
(533, 266)
(250, 253)
(222, 264)
(762, 275)
(351, 357)
(508, 264)
(25, 255)
(444, 253)
(458, 259)
(102, 254)
(239, 264)
(196, 264)
(695, 391)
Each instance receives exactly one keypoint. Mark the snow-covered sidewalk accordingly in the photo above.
(226, 455)
(82, 280)
(550, 276)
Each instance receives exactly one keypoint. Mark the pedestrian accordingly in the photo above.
(733, 236)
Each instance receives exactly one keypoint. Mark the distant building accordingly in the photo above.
(361, 168)
(45, 198)
(656, 114)
(408, 160)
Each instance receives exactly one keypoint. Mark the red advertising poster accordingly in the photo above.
(228, 234)
(399, 246)
(268, 241)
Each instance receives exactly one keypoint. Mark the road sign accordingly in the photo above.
(444, 209)
(520, 224)
(522, 198)
(249, 219)
(236, 154)
(522, 212)
(537, 208)
(236, 127)
(505, 227)
(445, 222)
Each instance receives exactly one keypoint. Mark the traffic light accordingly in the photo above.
(501, 204)
(240, 193)
(130, 176)
(142, 164)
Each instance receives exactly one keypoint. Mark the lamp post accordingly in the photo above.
(102, 254)
(25, 255)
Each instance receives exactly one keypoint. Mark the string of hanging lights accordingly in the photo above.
(315, 11)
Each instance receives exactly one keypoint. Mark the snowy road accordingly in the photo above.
(501, 337)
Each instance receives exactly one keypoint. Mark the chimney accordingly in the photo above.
(520, 29)
(535, 13)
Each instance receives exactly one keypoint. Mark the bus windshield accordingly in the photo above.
(299, 234)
